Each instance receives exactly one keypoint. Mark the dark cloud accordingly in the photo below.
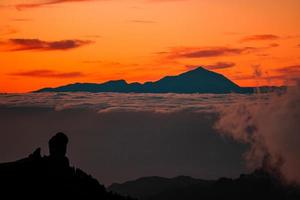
(21, 44)
(259, 37)
(45, 3)
(289, 69)
(209, 52)
(48, 74)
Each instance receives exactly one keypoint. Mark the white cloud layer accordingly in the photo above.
(107, 102)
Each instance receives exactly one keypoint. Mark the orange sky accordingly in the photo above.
(47, 43)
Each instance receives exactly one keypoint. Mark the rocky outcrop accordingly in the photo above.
(50, 177)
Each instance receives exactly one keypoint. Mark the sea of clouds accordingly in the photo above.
(117, 137)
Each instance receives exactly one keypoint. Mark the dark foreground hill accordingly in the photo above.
(258, 185)
(198, 80)
(50, 177)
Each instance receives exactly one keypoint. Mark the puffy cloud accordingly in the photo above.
(271, 129)
(23, 44)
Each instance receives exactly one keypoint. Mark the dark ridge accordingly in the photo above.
(199, 80)
(258, 185)
(50, 177)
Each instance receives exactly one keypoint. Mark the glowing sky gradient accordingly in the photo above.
(47, 43)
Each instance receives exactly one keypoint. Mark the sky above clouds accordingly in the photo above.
(47, 43)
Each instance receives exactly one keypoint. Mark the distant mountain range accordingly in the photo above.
(258, 185)
(199, 80)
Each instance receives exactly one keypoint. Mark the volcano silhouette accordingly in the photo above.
(199, 80)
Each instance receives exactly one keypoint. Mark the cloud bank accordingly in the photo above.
(103, 102)
(118, 137)
(271, 130)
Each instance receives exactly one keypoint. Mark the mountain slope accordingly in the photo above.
(257, 185)
(144, 188)
(198, 80)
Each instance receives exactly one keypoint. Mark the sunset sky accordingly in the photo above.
(47, 43)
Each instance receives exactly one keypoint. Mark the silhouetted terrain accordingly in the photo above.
(50, 177)
(198, 80)
(257, 185)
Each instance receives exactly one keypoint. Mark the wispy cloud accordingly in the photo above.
(45, 3)
(47, 74)
(7, 30)
(292, 69)
(161, 1)
(21, 19)
(204, 52)
(143, 21)
(220, 65)
(92, 61)
(24, 44)
(262, 37)
(289, 74)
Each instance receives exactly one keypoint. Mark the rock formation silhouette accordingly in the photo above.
(50, 177)
(58, 145)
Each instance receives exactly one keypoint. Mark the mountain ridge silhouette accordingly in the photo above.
(260, 184)
(199, 80)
